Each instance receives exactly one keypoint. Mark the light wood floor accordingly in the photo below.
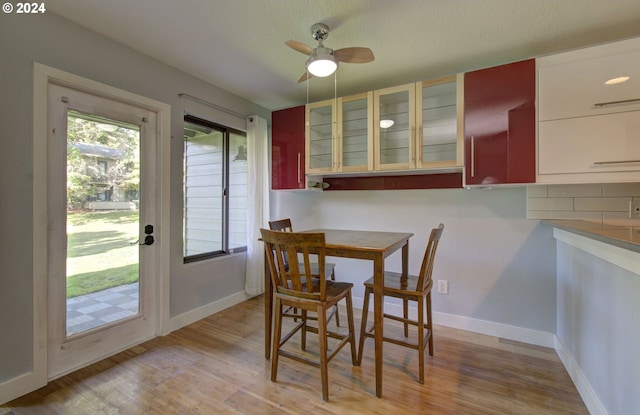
(217, 366)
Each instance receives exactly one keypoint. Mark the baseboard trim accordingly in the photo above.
(587, 393)
(490, 328)
(20, 385)
(192, 316)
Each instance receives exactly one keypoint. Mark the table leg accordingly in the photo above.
(378, 310)
(405, 259)
(268, 311)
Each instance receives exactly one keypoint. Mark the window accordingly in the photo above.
(215, 190)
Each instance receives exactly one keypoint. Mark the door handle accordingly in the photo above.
(148, 240)
(473, 156)
(623, 102)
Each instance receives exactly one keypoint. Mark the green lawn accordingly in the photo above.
(99, 251)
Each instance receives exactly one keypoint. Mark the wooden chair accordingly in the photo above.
(295, 287)
(284, 225)
(410, 288)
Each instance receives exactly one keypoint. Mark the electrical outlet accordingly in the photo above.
(443, 287)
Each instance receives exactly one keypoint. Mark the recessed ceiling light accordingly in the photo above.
(617, 80)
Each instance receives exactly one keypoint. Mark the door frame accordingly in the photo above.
(42, 76)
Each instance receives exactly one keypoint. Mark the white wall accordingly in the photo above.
(599, 322)
(500, 266)
(55, 42)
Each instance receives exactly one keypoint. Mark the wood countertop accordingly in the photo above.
(627, 237)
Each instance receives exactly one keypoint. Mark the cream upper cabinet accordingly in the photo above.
(355, 133)
(321, 136)
(440, 121)
(589, 114)
(394, 128)
(339, 135)
(407, 127)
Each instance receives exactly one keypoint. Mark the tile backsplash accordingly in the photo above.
(609, 203)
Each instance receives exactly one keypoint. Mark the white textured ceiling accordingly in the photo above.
(239, 44)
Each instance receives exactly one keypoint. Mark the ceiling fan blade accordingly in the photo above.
(299, 47)
(354, 55)
(306, 75)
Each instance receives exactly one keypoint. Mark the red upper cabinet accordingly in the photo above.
(287, 149)
(500, 124)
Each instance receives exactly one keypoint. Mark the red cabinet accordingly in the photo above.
(500, 124)
(287, 149)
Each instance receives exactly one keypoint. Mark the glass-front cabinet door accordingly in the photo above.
(394, 128)
(440, 133)
(355, 138)
(320, 134)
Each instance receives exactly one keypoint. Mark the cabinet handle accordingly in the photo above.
(599, 163)
(625, 101)
(473, 156)
(412, 139)
(299, 156)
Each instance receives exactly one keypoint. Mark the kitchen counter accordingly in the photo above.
(626, 237)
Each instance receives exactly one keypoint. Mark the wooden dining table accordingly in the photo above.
(369, 245)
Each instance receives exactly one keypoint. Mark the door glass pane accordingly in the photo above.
(395, 131)
(203, 183)
(321, 137)
(439, 122)
(103, 197)
(355, 134)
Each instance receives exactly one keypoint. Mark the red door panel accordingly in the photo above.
(500, 124)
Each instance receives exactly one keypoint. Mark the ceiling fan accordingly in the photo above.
(323, 61)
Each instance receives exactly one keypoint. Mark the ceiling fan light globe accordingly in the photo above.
(322, 65)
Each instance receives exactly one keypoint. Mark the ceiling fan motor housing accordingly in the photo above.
(320, 31)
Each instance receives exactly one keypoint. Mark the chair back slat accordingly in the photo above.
(283, 225)
(289, 257)
(426, 269)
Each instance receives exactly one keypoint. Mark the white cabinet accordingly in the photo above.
(588, 120)
(595, 145)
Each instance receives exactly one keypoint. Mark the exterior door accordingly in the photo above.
(102, 213)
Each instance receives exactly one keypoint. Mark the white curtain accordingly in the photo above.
(258, 202)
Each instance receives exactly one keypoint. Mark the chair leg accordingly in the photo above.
(421, 338)
(363, 324)
(429, 324)
(405, 314)
(333, 278)
(352, 331)
(322, 340)
(303, 334)
(277, 334)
